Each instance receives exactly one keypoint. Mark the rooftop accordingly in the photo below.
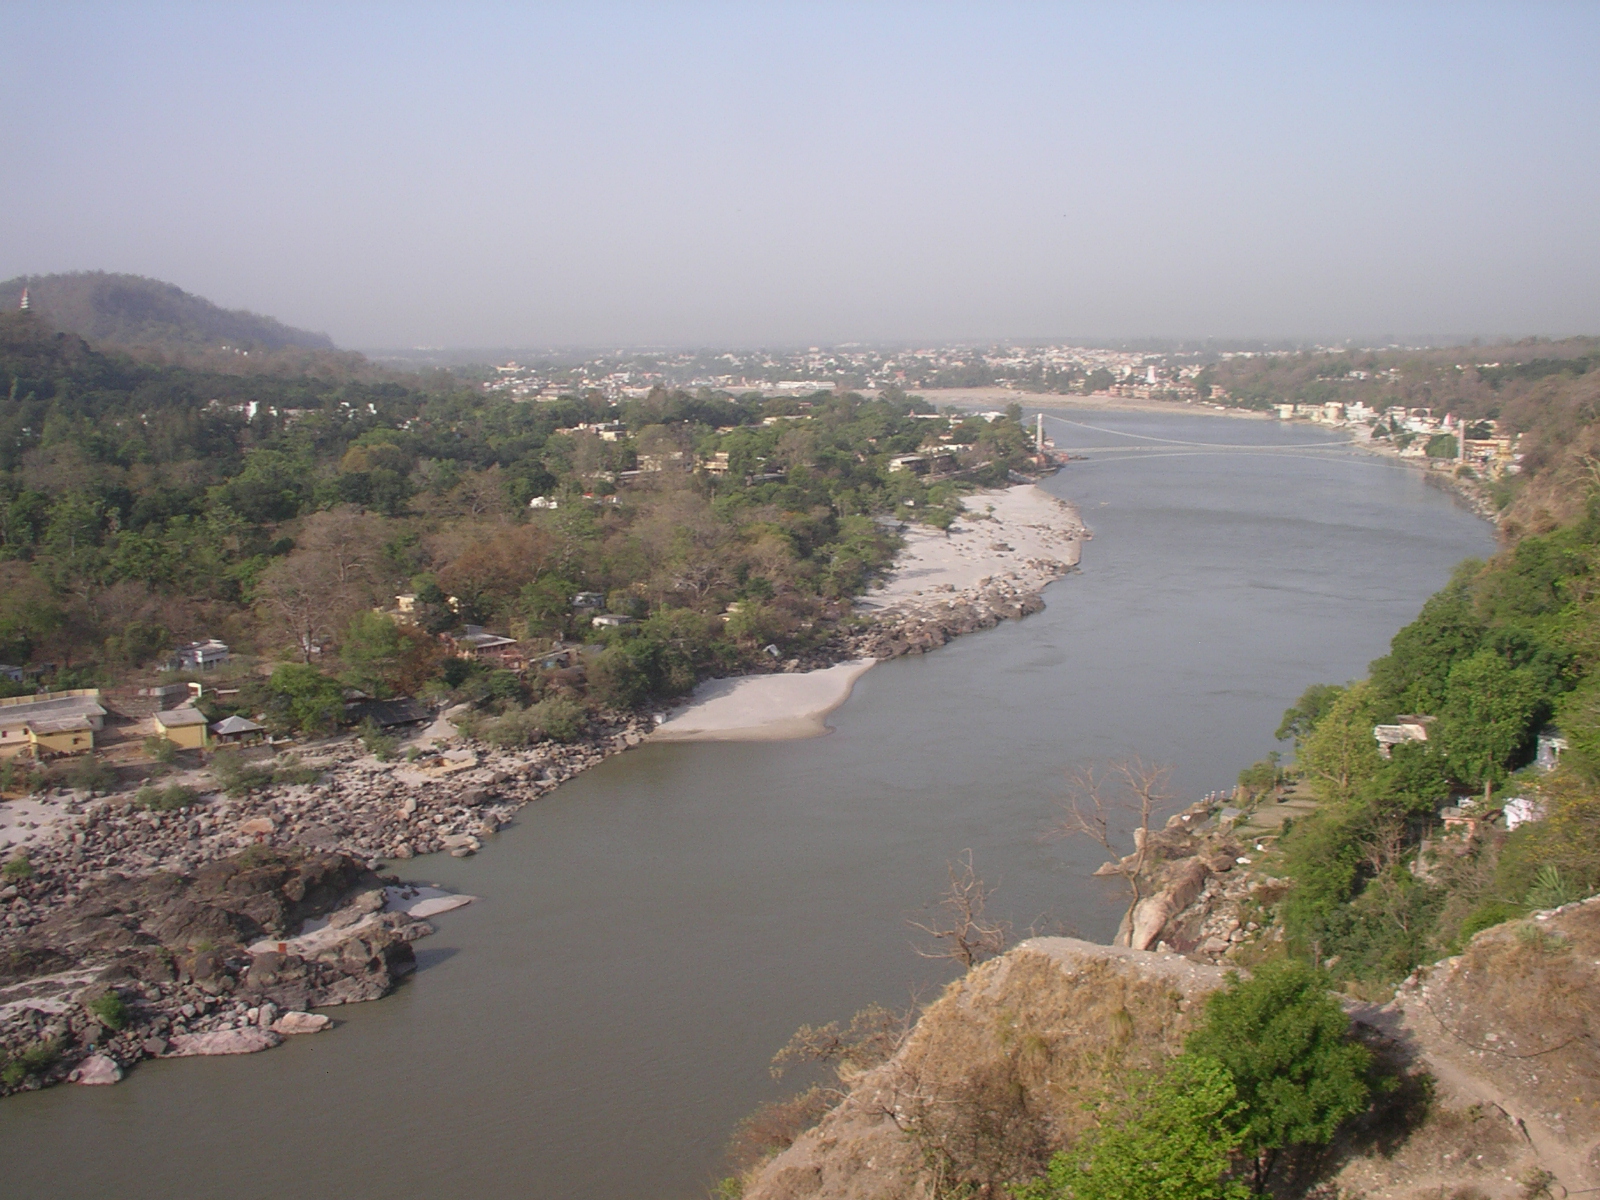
(173, 718)
(29, 710)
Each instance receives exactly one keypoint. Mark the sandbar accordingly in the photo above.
(763, 708)
(1021, 531)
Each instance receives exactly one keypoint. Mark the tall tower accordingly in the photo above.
(25, 305)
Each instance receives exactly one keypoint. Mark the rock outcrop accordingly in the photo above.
(996, 1074)
(168, 965)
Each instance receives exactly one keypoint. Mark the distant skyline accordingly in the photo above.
(721, 174)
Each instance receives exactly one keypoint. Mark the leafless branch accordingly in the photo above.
(1103, 804)
(961, 931)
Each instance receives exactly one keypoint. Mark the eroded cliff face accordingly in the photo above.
(1494, 1056)
(1508, 1032)
(994, 1077)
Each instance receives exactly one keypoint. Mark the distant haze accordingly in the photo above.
(745, 174)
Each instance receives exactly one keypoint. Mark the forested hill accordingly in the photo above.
(136, 313)
(144, 504)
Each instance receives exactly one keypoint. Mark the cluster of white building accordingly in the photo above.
(1413, 429)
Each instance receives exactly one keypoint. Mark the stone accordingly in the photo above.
(462, 852)
(292, 1023)
(257, 825)
(222, 1041)
(95, 1070)
(155, 1047)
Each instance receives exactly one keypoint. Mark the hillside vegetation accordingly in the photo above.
(142, 504)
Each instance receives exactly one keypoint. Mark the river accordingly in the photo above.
(654, 930)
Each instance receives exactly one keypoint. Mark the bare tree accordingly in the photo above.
(961, 931)
(1105, 804)
(300, 598)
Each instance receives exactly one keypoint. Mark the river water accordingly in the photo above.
(654, 930)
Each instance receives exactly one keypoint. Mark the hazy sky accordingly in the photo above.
(474, 174)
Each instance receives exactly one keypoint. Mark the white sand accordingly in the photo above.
(763, 708)
(28, 822)
(1022, 531)
(1022, 534)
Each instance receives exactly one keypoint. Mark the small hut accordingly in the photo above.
(237, 731)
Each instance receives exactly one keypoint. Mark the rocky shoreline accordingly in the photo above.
(215, 928)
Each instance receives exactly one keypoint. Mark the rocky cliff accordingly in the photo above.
(1492, 1058)
(995, 1075)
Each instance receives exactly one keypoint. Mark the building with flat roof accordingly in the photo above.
(186, 728)
(50, 723)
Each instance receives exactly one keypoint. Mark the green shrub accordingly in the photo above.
(167, 799)
(1285, 1041)
(290, 770)
(36, 1058)
(161, 749)
(1487, 915)
(19, 868)
(109, 1010)
(560, 719)
(379, 744)
(1552, 889)
(1177, 1143)
(235, 775)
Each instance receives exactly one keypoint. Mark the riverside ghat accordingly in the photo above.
(217, 929)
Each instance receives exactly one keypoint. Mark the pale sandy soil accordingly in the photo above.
(1019, 530)
(763, 708)
(1023, 532)
(28, 821)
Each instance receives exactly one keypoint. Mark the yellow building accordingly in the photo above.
(50, 723)
(184, 727)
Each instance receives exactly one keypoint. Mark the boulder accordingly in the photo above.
(96, 1069)
(222, 1041)
(300, 1022)
(1152, 913)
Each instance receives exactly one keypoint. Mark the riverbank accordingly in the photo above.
(103, 874)
(990, 565)
(765, 708)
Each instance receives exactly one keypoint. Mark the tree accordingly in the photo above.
(1098, 806)
(1340, 754)
(961, 931)
(1490, 714)
(1302, 718)
(1285, 1042)
(383, 657)
(1176, 1144)
(303, 698)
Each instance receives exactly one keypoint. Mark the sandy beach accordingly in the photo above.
(763, 708)
(1022, 536)
(1022, 533)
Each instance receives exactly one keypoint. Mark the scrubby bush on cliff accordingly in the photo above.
(1285, 1042)
(109, 1009)
(1176, 1143)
